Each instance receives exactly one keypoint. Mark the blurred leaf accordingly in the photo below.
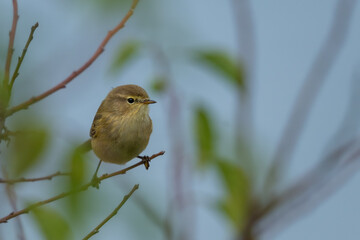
(159, 84)
(223, 64)
(27, 149)
(52, 225)
(78, 166)
(126, 52)
(235, 202)
(204, 137)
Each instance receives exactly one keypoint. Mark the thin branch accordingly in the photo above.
(112, 214)
(49, 177)
(312, 85)
(123, 171)
(21, 58)
(10, 50)
(11, 194)
(77, 72)
(80, 189)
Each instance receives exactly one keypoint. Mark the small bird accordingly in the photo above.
(122, 126)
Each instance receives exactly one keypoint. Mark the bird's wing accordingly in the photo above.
(96, 121)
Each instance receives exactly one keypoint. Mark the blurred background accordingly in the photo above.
(257, 110)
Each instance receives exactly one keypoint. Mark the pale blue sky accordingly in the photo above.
(288, 36)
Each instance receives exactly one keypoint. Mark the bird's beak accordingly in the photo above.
(148, 101)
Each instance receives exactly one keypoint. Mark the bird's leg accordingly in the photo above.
(95, 180)
(146, 161)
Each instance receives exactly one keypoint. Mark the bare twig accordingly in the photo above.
(80, 189)
(49, 177)
(77, 72)
(123, 171)
(21, 58)
(41, 203)
(112, 214)
(312, 85)
(11, 194)
(10, 50)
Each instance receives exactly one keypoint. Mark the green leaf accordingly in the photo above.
(125, 53)
(77, 168)
(235, 201)
(159, 84)
(28, 146)
(78, 165)
(204, 137)
(52, 225)
(223, 64)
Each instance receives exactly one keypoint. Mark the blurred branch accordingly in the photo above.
(77, 72)
(310, 179)
(49, 177)
(244, 116)
(247, 52)
(178, 167)
(246, 32)
(10, 50)
(149, 211)
(312, 189)
(112, 214)
(312, 85)
(21, 58)
(328, 168)
(164, 225)
(80, 189)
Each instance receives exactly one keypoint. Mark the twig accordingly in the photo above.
(112, 214)
(49, 177)
(77, 72)
(123, 171)
(10, 50)
(80, 189)
(312, 85)
(21, 58)
(11, 194)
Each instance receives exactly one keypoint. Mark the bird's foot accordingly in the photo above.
(95, 182)
(146, 161)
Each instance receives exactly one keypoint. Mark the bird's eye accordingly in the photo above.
(130, 100)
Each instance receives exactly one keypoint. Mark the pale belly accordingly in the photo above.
(127, 144)
(117, 152)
